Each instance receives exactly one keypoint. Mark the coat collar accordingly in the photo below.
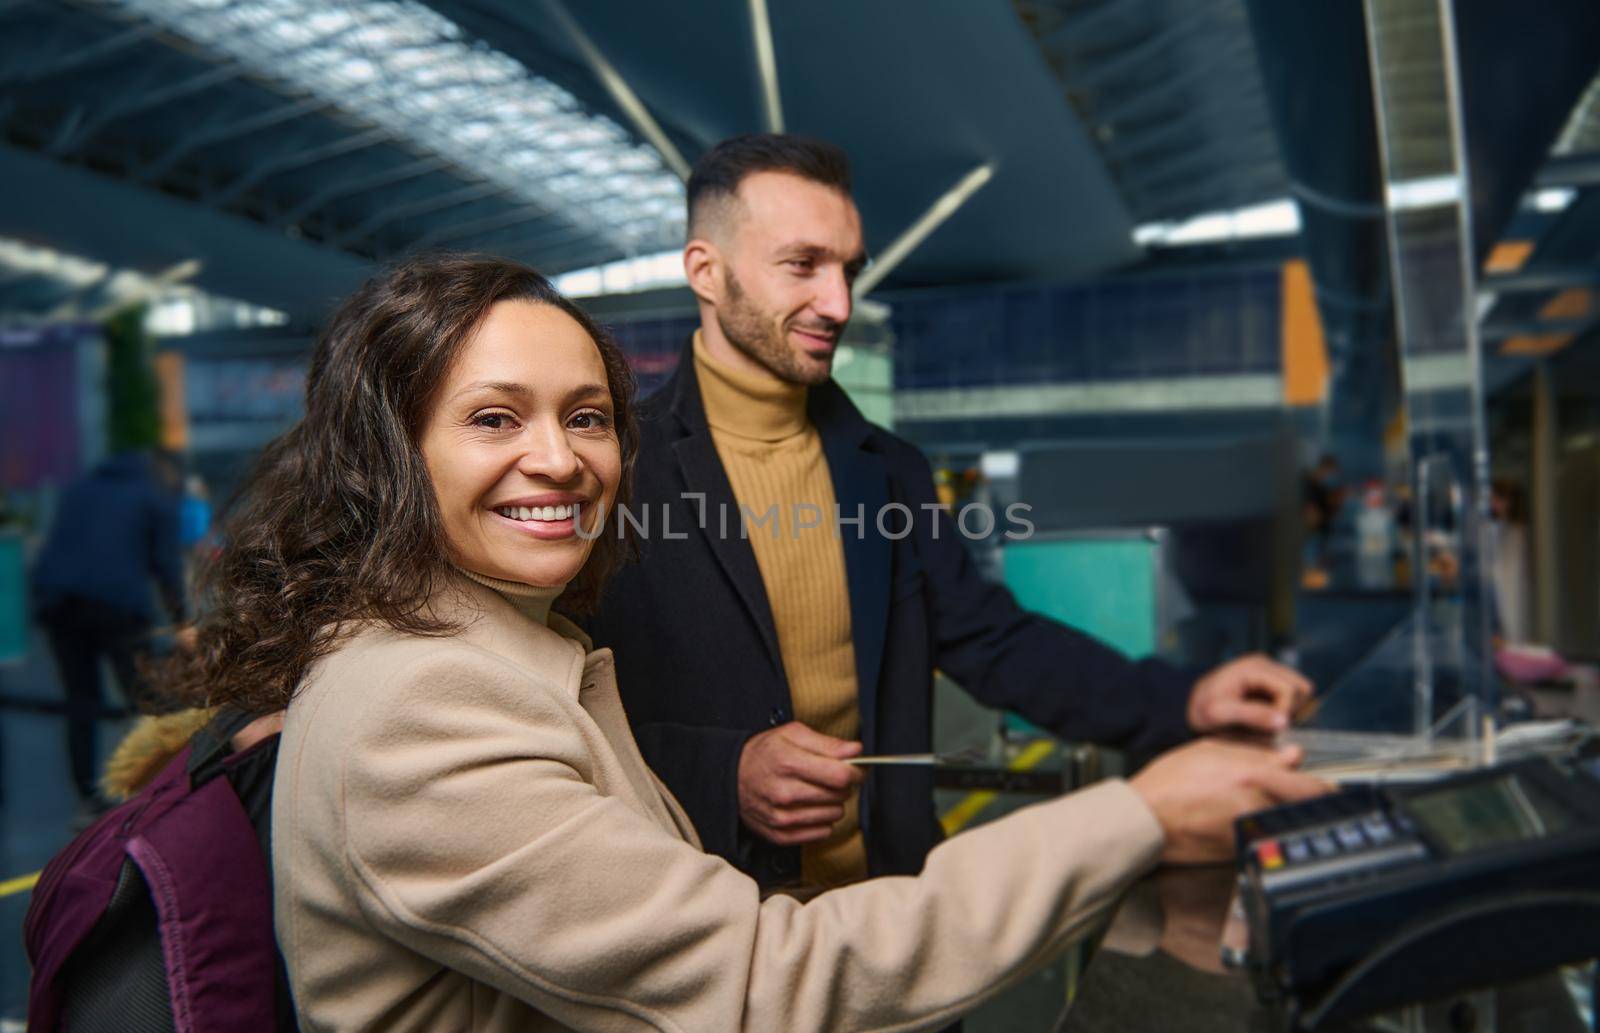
(860, 485)
(489, 621)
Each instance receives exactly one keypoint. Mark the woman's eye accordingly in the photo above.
(492, 420)
(590, 419)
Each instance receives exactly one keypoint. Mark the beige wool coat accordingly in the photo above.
(466, 838)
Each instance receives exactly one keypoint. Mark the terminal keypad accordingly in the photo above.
(1346, 845)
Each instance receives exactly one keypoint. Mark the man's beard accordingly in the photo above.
(754, 333)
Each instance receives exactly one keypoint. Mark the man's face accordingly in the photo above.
(793, 251)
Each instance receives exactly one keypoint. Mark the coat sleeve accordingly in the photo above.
(477, 838)
(1006, 657)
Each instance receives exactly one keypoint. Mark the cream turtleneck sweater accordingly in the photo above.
(773, 457)
(532, 601)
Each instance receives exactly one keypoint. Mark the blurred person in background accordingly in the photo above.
(464, 835)
(755, 666)
(113, 547)
(1512, 573)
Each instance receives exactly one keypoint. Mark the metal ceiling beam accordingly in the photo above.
(947, 205)
(83, 56)
(478, 227)
(1534, 328)
(388, 214)
(545, 243)
(766, 65)
(223, 131)
(620, 91)
(297, 160)
(1212, 155)
(1079, 26)
(1155, 99)
(1098, 73)
(345, 187)
(138, 102)
(1541, 280)
(1164, 135)
(1206, 196)
(1570, 170)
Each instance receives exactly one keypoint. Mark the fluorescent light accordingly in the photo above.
(1554, 199)
(401, 66)
(1427, 192)
(1279, 218)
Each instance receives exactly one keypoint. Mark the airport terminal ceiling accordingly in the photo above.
(144, 133)
(287, 145)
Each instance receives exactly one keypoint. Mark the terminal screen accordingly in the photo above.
(1488, 814)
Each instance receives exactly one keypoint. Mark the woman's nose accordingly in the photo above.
(548, 454)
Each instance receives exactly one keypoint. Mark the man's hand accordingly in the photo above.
(793, 783)
(1252, 693)
(1196, 791)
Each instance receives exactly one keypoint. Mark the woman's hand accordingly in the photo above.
(1196, 791)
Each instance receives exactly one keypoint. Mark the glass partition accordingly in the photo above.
(1432, 679)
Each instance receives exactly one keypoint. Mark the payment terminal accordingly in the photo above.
(1381, 896)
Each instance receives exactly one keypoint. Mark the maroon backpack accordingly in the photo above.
(159, 915)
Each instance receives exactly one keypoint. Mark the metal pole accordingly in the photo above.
(930, 220)
(767, 65)
(619, 89)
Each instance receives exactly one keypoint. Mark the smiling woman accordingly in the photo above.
(442, 389)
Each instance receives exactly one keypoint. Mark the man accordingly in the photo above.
(761, 642)
(113, 546)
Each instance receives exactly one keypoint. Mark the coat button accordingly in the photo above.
(777, 717)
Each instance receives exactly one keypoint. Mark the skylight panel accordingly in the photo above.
(403, 67)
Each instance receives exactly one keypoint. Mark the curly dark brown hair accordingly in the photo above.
(338, 521)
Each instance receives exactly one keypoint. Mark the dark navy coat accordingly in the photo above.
(115, 534)
(697, 651)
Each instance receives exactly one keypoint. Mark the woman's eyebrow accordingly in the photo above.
(507, 387)
(583, 391)
(524, 392)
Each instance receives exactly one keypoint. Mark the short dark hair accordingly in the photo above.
(338, 523)
(720, 170)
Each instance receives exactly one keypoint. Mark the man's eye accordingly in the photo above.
(800, 264)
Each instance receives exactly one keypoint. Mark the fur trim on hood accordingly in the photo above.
(148, 748)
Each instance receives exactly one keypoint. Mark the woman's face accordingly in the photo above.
(520, 440)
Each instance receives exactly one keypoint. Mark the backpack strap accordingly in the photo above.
(213, 901)
(212, 744)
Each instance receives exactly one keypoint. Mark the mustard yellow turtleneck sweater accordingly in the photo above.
(773, 456)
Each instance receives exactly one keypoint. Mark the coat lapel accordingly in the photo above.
(702, 472)
(860, 487)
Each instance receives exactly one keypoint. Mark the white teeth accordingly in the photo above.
(537, 512)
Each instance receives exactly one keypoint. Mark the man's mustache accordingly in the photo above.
(827, 328)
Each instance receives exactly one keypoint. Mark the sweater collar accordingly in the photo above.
(532, 601)
(751, 405)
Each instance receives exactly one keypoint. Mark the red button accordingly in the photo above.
(1268, 853)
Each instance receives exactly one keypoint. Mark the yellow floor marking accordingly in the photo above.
(957, 817)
